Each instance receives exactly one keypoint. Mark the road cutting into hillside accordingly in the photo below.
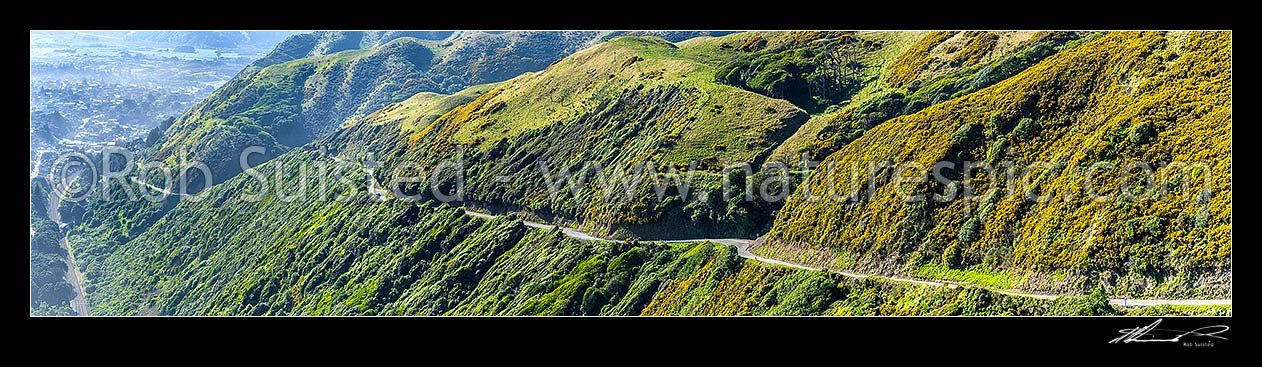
(742, 249)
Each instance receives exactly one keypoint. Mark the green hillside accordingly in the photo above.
(910, 71)
(314, 44)
(507, 105)
(642, 98)
(50, 293)
(313, 83)
(341, 252)
(321, 255)
(289, 104)
(1122, 97)
(637, 99)
(623, 103)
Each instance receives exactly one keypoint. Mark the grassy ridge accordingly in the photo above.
(289, 104)
(314, 83)
(624, 102)
(611, 71)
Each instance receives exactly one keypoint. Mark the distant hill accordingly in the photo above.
(205, 39)
(313, 83)
(48, 127)
(512, 51)
(324, 43)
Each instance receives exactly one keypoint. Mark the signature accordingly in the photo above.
(1151, 334)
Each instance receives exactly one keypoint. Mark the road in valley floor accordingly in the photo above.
(79, 303)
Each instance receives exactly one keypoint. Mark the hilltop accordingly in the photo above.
(313, 83)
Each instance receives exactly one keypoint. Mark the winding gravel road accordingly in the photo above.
(742, 249)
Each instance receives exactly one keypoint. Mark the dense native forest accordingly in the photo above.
(695, 112)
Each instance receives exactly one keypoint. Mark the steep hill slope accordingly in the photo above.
(312, 83)
(327, 254)
(301, 46)
(628, 102)
(289, 104)
(1124, 97)
(904, 72)
(637, 99)
(50, 292)
(1116, 97)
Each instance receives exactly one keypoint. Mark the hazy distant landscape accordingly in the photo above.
(93, 88)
